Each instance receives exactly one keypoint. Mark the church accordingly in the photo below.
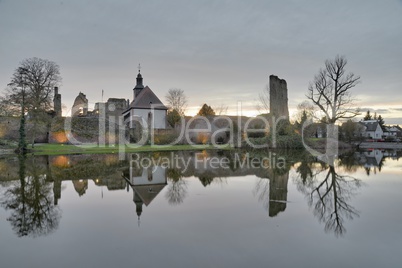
(145, 105)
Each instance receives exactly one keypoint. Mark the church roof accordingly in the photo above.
(147, 99)
(147, 193)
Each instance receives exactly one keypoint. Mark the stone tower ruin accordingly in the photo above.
(278, 97)
(80, 106)
(57, 102)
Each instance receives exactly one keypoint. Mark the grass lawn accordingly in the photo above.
(56, 149)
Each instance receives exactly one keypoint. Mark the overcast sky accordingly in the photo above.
(218, 52)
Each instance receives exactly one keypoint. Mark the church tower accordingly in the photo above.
(139, 86)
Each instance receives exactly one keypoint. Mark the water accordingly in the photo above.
(285, 210)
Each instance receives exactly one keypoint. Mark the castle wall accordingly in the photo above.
(278, 92)
(9, 130)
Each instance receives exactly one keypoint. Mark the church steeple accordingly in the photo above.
(138, 206)
(139, 86)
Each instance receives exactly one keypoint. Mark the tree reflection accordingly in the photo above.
(30, 199)
(177, 189)
(329, 193)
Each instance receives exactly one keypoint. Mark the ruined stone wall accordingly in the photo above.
(115, 107)
(80, 106)
(75, 130)
(57, 102)
(9, 127)
(9, 130)
(278, 93)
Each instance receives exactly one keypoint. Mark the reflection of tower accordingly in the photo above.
(278, 191)
(138, 206)
(56, 190)
(80, 186)
(146, 183)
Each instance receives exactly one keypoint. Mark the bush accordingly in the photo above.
(251, 134)
(288, 142)
(164, 139)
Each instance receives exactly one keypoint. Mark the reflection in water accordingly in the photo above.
(34, 187)
(329, 194)
(30, 200)
(273, 191)
(146, 183)
(177, 188)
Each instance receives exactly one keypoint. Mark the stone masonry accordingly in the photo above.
(278, 92)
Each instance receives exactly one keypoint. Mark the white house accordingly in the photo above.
(393, 131)
(145, 105)
(372, 129)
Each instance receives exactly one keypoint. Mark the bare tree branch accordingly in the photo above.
(330, 90)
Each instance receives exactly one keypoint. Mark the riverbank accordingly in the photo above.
(63, 149)
(381, 145)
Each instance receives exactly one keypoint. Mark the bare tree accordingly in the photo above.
(330, 90)
(7, 108)
(177, 100)
(329, 195)
(263, 101)
(221, 109)
(304, 109)
(32, 86)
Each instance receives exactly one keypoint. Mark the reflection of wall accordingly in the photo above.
(146, 183)
(147, 176)
(374, 157)
(278, 192)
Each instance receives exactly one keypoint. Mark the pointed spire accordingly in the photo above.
(139, 86)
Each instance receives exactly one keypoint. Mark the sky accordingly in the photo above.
(219, 52)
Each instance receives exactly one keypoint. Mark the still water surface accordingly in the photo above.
(98, 211)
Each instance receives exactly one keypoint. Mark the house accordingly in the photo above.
(371, 129)
(145, 107)
(393, 131)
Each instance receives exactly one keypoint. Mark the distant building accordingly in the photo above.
(393, 131)
(145, 105)
(371, 129)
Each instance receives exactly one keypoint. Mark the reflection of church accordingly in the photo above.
(146, 183)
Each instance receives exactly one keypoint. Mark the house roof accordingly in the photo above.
(371, 125)
(147, 99)
(393, 128)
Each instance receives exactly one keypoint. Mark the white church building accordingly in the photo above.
(146, 106)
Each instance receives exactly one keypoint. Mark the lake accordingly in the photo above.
(202, 209)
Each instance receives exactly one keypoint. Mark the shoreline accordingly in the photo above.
(380, 145)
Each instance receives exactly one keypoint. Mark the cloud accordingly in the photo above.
(378, 111)
(210, 49)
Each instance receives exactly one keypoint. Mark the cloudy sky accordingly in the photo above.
(218, 52)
